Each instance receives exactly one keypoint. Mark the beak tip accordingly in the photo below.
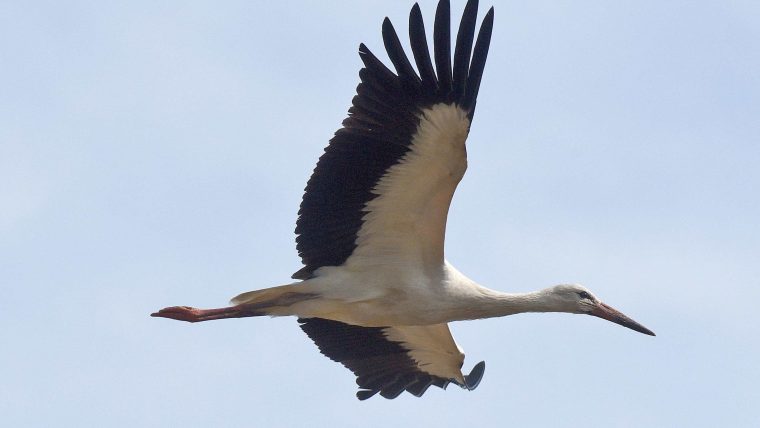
(611, 314)
(640, 328)
(633, 325)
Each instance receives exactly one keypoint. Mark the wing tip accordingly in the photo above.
(364, 394)
(472, 380)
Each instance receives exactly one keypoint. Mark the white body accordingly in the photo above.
(397, 275)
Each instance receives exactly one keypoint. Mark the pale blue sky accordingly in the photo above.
(155, 154)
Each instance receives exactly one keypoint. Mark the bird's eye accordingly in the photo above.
(585, 295)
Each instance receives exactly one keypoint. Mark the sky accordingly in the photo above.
(155, 153)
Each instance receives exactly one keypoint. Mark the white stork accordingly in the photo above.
(376, 292)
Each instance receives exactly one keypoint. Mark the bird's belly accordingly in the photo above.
(387, 297)
(394, 309)
(400, 314)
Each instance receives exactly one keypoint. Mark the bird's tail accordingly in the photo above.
(269, 299)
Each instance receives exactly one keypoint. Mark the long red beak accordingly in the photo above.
(609, 313)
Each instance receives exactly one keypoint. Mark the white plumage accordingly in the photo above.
(376, 292)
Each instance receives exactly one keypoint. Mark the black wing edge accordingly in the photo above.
(380, 365)
(382, 119)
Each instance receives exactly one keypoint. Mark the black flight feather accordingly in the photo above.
(420, 50)
(442, 48)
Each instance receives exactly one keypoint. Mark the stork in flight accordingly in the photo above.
(376, 292)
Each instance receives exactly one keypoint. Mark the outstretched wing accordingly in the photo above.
(391, 360)
(382, 189)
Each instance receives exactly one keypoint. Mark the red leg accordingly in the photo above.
(186, 313)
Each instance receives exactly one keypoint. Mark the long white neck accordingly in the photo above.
(487, 303)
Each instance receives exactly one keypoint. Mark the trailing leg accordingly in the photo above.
(269, 301)
(186, 313)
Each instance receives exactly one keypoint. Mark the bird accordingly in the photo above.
(375, 292)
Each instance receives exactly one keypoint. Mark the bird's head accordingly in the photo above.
(577, 299)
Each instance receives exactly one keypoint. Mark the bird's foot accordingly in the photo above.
(181, 313)
(190, 314)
